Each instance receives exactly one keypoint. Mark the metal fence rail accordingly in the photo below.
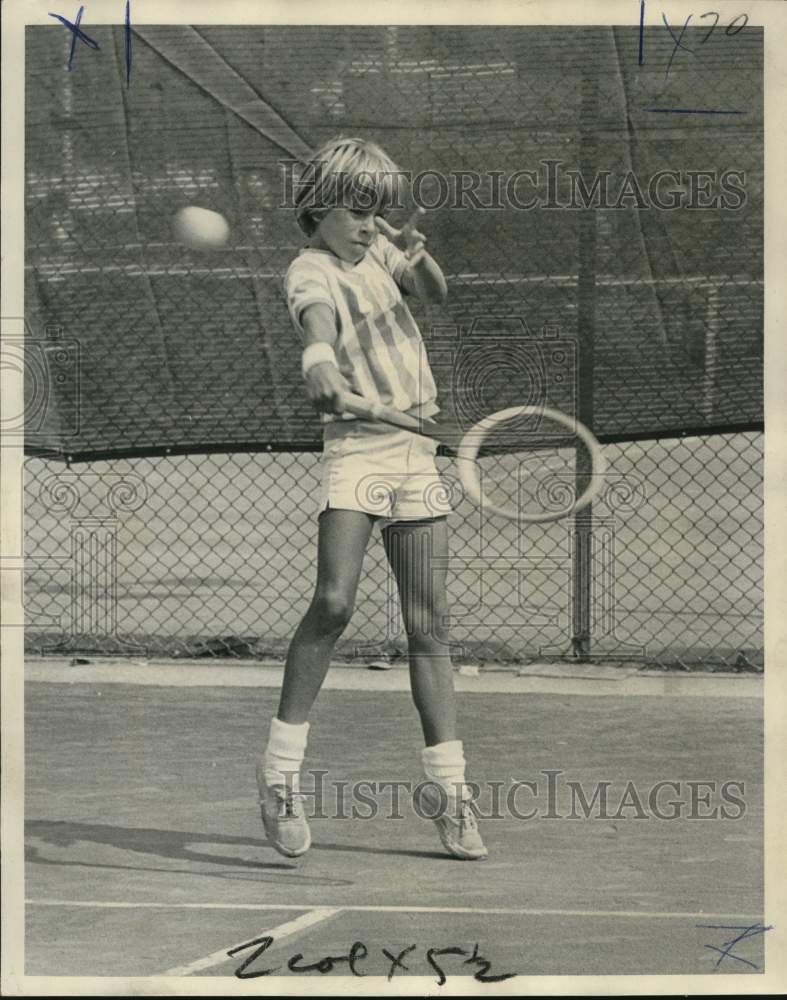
(213, 555)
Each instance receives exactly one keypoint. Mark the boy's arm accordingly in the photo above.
(422, 275)
(425, 279)
(325, 384)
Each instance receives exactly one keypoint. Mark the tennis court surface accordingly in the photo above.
(146, 856)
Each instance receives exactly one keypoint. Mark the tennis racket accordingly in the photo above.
(468, 445)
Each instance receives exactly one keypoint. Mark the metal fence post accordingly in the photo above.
(582, 575)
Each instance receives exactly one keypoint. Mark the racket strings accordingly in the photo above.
(529, 464)
(528, 479)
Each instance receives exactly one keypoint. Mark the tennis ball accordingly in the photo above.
(200, 228)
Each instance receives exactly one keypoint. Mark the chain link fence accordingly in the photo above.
(214, 555)
(168, 378)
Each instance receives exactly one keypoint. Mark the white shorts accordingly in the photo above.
(383, 472)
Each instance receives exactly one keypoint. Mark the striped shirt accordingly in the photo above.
(379, 347)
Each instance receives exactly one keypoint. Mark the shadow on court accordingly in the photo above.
(179, 844)
(145, 850)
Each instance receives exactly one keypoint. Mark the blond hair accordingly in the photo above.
(346, 173)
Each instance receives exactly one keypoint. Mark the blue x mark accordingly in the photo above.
(76, 33)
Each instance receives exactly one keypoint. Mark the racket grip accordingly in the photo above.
(367, 409)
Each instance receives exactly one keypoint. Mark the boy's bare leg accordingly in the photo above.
(418, 555)
(417, 552)
(343, 536)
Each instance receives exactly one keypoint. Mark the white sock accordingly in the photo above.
(444, 764)
(284, 753)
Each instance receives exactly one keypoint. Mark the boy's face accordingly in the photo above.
(347, 232)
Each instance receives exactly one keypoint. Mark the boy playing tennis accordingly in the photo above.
(345, 299)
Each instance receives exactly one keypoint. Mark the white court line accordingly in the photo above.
(340, 908)
(277, 933)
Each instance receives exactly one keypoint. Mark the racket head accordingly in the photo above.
(467, 454)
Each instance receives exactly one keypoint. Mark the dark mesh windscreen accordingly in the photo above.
(142, 344)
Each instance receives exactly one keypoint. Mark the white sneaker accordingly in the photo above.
(456, 823)
(282, 816)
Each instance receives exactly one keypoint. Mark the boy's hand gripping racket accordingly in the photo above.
(468, 444)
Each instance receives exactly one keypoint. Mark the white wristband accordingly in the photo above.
(317, 354)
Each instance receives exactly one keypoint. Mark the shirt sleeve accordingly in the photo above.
(394, 260)
(306, 285)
